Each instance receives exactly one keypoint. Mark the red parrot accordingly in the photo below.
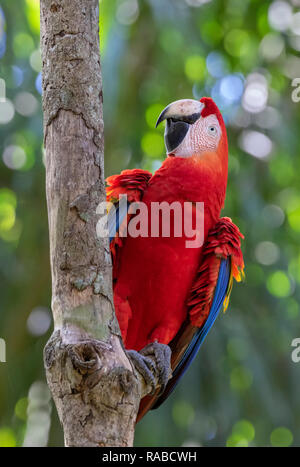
(164, 291)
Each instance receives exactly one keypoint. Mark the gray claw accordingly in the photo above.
(144, 366)
(162, 355)
(143, 361)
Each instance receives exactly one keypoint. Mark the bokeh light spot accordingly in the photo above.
(14, 157)
(237, 42)
(293, 216)
(281, 437)
(268, 118)
(33, 15)
(38, 83)
(244, 429)
(267, 253)
(7, 111)
(8, 222)
(7, 216)
(35, 60)
(2, 34)
(127, 12)
(38, 415)
(153, 144)
(271, 46)
(21, 408)
(23, 45)
(295, 26)
(7, 438)
(279, 284)
(256, 144)
(256, 93)
(216, 64)
(195, 68)
(291, 67)
(280, 15)
(273, 215)
(18, 75)
(26, 104)
(39, 321)
(231, 88)
(236, 441)
(8, 196)
(196, 3)
(211, 32)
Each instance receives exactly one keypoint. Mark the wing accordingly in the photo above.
(222, 261)
(122, 190)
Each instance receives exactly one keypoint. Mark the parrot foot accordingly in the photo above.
(153, 362)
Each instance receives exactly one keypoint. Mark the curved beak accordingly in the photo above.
(179, 115)
(186, 110)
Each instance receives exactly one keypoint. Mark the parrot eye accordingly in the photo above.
(212, 130)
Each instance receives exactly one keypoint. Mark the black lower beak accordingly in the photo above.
(175, 133)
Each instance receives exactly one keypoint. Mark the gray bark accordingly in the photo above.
(95, 387)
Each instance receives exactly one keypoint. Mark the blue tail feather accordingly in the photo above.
(115, 218)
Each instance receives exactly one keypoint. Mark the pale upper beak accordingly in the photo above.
(187, 110)
(179, 115)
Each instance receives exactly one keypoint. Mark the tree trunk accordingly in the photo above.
(95, 387)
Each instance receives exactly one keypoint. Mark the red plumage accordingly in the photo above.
(222, 241)
(130, 182)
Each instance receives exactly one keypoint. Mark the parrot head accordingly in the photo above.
(194, 128)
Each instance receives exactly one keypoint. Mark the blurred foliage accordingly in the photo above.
(243, 388)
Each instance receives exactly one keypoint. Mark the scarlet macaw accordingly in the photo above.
(164, 292)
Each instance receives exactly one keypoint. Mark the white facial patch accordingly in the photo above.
(203, 136)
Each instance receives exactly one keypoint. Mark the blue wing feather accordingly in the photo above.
(200, 335)
(115, 218)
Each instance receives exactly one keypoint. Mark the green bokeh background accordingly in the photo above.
(243, 388)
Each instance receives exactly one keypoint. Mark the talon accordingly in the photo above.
(162, 356)
(144, 366)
